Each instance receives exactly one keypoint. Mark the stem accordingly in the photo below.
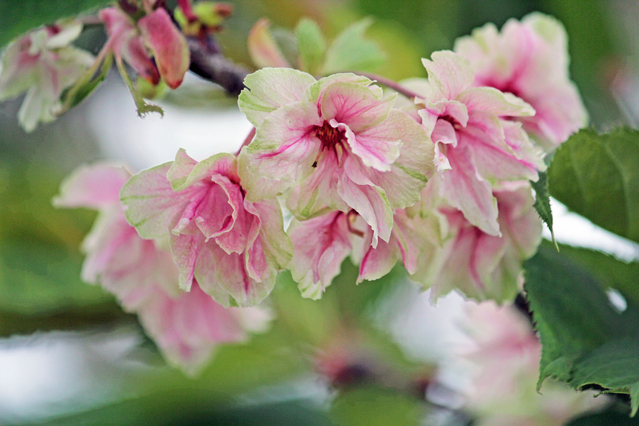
(392, 85)
(213, 66)
(247, 141)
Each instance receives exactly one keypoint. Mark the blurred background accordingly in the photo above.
(378, 353)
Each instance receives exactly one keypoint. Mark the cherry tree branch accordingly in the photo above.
(210, 64)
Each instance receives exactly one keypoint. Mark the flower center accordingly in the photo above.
(332, 140)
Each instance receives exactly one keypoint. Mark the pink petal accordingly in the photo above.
(284, 147)
(367, 199)
(186, 249)
(493, 157)
(95, 186)
(355, 105)
(153, 206)
(320, 246)
(378, 146)
(463, 188)
(378, 261)
(319, 193)
(448, 73)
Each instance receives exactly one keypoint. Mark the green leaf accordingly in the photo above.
(615, 415)
(608, 270)
(88, 83)
(597, 177)
(350, 51)
(614, 366)
(17, 18)
(581, 332)
(310, 45)
(542, 202)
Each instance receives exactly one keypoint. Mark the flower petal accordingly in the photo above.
(464, 189)
(95, 186)
(449, 74)
(284, 148)
(153, 206)
(355, 105)
(367, 199)
(168, 45)
(320, 246)
(270, 88)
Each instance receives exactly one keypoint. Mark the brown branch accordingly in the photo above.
(211, 65)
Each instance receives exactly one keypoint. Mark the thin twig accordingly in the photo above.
(392, 85)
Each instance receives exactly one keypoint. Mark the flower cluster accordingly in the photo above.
(187, 326)
(43, 64)
(441, 183)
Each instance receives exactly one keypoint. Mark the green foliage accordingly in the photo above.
(17, 18)
(616, 415)
(40, 286)
(585, 339)
(310, 45)
(373, 406)
(542, 201)
(36, 278)
(88, 83)
(350, 51)
(608, 270)
(141, 105)
(597, 177)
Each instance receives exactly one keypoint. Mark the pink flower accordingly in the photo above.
(529, 59)
(186, 326)
(321, 245)
(335, 144)
(506, 368)
(480, 265)
(232, 247)
(477, 145)
(43, 64)
(153, 46)
(190, 326)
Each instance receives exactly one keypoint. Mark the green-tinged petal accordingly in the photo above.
(152, 205)
(448, 73)
(270, 88)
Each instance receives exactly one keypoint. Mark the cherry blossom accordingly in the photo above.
(477, 145)
(336, 144)
(231, 246)
(529, 59)
(321, 245)
(481, 265)
(43, 64)
(186, 326)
